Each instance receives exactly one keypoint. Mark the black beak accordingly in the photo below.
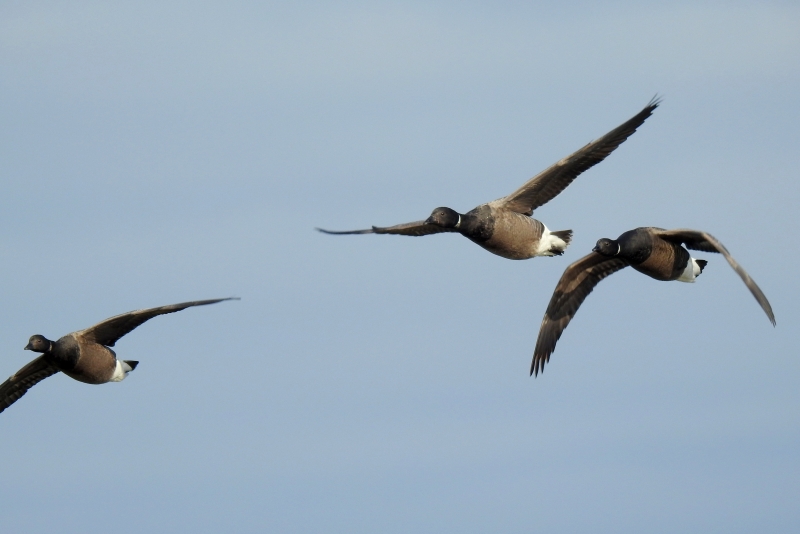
(429, 220)
(28, 347)
(595, 249)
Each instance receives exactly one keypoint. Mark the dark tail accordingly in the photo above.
(702, 264)
(132, 363)
(566, 235)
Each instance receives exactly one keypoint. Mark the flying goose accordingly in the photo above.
(505, 226)
(84, 355)
(653, 251)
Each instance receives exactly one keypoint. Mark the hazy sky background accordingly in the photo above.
(157, 152)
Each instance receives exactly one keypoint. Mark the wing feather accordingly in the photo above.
(697, 240)
(578, 280)
(416, 228)
(549, 183)
(109, 331)
(16, 386)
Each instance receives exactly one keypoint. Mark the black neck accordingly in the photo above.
(477, 226)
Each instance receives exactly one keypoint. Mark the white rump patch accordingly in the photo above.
(691, 271)
(120, 372)
(548, 242)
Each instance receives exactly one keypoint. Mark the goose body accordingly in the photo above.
(505, 226)
(656, 252)
(85, 355)
(649, 253)
(511, 235)
(86, 361)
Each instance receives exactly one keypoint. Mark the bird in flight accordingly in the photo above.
(653, 251)
(505, 226)
(84, 355)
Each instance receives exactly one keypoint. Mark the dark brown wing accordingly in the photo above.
(23, 380)
(417, 228)
(704, 241)
(109, 331)
(547, 184)
(575, 285)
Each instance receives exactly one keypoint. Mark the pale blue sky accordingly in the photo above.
(157, 152)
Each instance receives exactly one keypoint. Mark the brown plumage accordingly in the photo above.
(653, 251)
(84, 355)
(24, 379)
(504, 226)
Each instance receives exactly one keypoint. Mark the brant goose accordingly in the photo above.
(653, 251)
(84, 355)
(505, 226)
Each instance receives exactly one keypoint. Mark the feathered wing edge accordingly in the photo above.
(578, 280)
(697, 240)
(111, 330)
(416, 229)
(17, 385)
(345, 232)
(546, 185)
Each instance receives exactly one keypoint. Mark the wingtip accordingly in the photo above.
(770, 315)
(345, 232)
(655, 101)
(212, 301)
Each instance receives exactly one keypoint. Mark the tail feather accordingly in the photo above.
(565, 236)
(121, 370)
(701, 264)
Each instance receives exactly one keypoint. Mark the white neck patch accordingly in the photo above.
(459, 222)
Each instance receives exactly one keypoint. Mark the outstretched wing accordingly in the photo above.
(704, 241)
(109, 331)
(547, 184)
(23, 380)
(416, 228)
(575, 285)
